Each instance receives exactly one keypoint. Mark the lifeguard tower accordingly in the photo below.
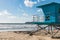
(52, 15)
(52, 12)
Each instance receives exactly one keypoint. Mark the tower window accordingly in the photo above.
(47, 18)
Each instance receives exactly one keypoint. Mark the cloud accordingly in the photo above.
(26, 17)
(29, 3)
(6, 14)
(25, 14)
(7, 17)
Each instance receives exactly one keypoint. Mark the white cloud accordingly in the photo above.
(6, 14)
(12, 17)
(7, 17)
(29, 3)
(25, 14)
(24, 17)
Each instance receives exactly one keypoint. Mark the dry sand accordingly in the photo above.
(22, 36)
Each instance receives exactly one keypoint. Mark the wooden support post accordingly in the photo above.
(49, 30)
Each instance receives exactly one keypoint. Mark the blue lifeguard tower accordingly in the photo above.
(52, 16)
(52, 12)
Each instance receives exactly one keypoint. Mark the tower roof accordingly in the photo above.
(48, 4)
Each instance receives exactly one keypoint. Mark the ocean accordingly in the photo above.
(18, 27)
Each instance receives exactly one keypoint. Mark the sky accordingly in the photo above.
(21, 11)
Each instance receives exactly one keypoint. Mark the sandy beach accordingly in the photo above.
(22, 36)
